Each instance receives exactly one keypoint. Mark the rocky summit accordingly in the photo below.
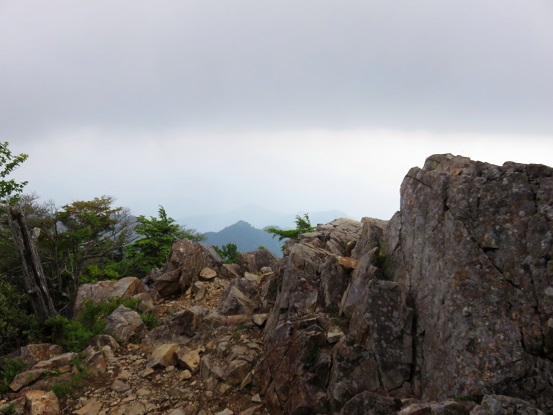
(445, 309)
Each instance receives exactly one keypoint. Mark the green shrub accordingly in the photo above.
(72, 335)
(150, 320)
(9, 409)
(75, 335)
(9, 370)
(15, 320)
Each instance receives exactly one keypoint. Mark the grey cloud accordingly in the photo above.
(480, 65)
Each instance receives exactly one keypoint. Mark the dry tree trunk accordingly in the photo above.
(33, 274)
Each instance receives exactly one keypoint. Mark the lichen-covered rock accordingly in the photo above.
(34, 353)
(473, 245)
(382, 324)
(125, 323)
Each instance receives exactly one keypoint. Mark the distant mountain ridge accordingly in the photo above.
(245, 237)
(256, 216)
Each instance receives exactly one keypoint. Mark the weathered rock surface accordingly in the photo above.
(124, 288)
(254, 261)
(497, 404)
(452, 297)
(186, 260)
(41, 403)
(241, 296)
(472, 244)
(125, 323)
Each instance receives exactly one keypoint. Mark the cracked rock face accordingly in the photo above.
(473, 246)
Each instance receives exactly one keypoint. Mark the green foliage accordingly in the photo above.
(91, 233)
(229, 253)
(8, 409)
(70, 334)
(93, 273)
(150, 320)
(9, 189)
(157, 236)
(303, 225)
(75, 335)
(8, 371)
(70, 387)
(15, 319)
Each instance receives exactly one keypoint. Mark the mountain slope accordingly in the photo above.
(245, 236)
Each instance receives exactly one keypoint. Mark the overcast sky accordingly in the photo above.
(206, 106)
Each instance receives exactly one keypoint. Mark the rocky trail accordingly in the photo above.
(158, 377)
(446, 309)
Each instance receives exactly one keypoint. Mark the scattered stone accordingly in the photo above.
(207, 274)
(229, 271)
(96, 363)
(256, 398)
(101, 340)
(120, 386)
(226, 411)
(252, 277)
(236, 372)
(41, 403)
(92, 407)
(223, 387)
(333, 335)
(198, 290)
(148, 372)
(188, 359)
(260, 319)
(185, 375)
(163, 356)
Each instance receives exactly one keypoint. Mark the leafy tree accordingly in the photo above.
(229, 253)
(33, 274)
(303, 225)
(85, 240)
(9, 189)
(154, 244)
(92, 232)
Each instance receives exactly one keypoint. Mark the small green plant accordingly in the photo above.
(9, 409)
(10, 369)
(150, 320)
(70, 387)
(75, 335)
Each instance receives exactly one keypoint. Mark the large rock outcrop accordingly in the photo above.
(186, 260)
(472, 244)
(452, 298)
